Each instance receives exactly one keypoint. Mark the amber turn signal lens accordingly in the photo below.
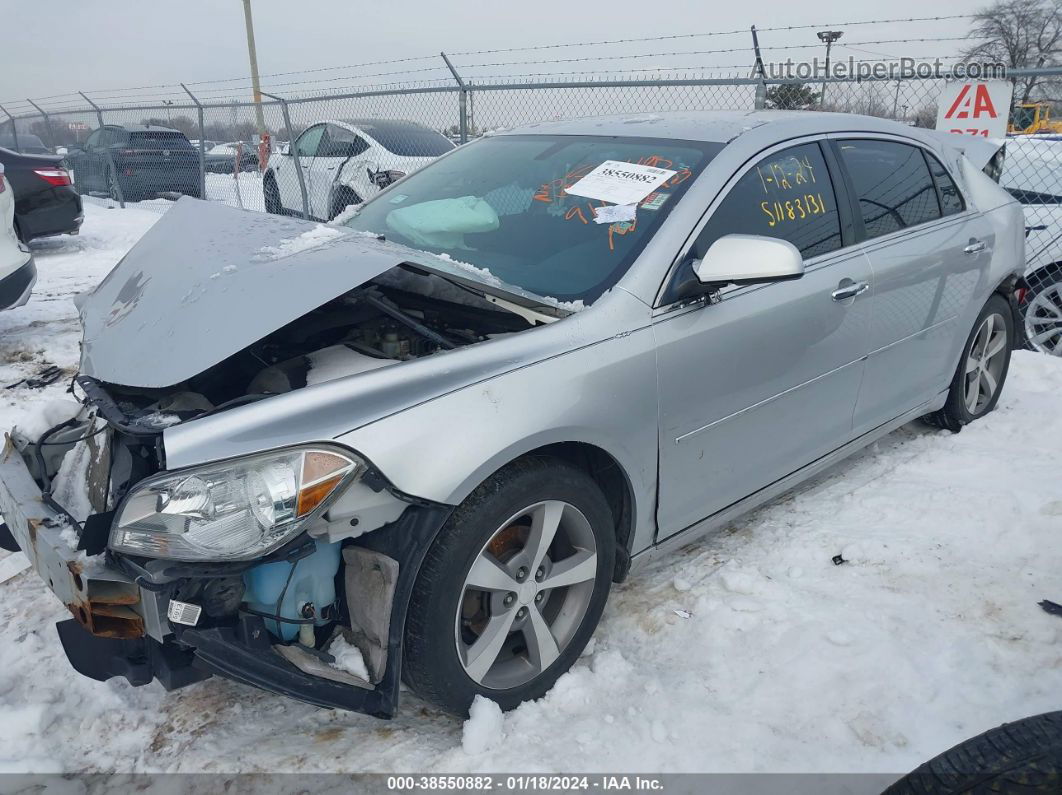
(312, 496)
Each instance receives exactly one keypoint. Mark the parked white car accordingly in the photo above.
(17, 271)
(1032, 173)
(347, 162)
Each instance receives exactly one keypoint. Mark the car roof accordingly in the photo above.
(716, 126)
(382, 124)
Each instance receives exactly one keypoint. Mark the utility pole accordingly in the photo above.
(828, 36)
(263, 136)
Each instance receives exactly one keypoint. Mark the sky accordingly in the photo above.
(101, 45)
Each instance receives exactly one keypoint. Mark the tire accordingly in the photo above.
(341, 199)
(1020, 757)
(1042, 308)
(495, 524)
(990, 372)
(271, 194)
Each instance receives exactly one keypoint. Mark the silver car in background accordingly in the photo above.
(323, 460)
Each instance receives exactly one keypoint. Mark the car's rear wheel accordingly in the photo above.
(1042, 310)
(271, 194)
(982, 371)
(512, 589)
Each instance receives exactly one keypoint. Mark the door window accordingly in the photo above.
(94, 139)
(892, 183)
(787, 195)
(950, 199)
(338, 142)
(309, 141)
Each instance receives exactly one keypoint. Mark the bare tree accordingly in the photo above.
(1021, 34)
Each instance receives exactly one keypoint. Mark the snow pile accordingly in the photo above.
(483, 731)
(70, 485)
(47, 416)
(310, 239)
(348, 658)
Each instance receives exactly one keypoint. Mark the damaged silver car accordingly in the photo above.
(420, 444)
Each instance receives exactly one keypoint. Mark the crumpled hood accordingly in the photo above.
(208, 280)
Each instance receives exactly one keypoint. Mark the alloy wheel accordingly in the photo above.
(985, 362)
(1043, 320)
(526, 594)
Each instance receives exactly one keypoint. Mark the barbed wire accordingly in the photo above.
(212, 86)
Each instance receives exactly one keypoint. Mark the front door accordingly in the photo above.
(765, 381)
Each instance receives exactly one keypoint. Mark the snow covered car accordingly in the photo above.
(421, 445)
(221, 158)
(347, 162)
(17, 271)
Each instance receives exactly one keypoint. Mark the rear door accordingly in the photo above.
(928, 252)
(765, 381)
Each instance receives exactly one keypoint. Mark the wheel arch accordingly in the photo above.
(603, 467)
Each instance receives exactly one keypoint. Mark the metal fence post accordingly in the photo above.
(293, 150)
(202, 143)
(110, 157)
(47, 121)
(761, 87)
(14, 129)
(462, 99)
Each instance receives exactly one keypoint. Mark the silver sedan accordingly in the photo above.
(421, 445)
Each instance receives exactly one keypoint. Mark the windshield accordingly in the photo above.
(502, 204)
(1024, 117)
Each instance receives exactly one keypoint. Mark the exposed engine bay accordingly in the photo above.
(399, 316)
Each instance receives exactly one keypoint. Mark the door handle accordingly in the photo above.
(975, 247)
(849, 291)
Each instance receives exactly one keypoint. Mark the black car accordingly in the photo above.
(25, 143)
(144, 161)
(45, 202)
(221, 159)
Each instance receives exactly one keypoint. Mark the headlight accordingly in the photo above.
(232, 511)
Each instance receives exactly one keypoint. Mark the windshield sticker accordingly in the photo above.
(398, 198)
(555, 189)
(654, 201)
(614, 213)
(617, 182)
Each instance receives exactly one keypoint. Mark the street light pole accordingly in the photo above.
(255, 85)
(828, 36)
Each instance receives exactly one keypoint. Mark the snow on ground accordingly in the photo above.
(748, 651)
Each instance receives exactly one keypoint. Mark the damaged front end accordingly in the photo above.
(267, 620)
(251, 567)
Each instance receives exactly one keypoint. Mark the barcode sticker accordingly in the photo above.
(184, 613)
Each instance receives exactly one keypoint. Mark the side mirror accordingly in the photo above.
(749, 259)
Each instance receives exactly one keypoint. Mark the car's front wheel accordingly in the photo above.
(978, 380)
(512, 589)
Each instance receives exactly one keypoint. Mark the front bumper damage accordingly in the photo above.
(119, 607)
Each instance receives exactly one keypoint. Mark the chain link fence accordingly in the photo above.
(321, 154)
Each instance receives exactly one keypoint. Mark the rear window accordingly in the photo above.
(158, 140)
(408, 140)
